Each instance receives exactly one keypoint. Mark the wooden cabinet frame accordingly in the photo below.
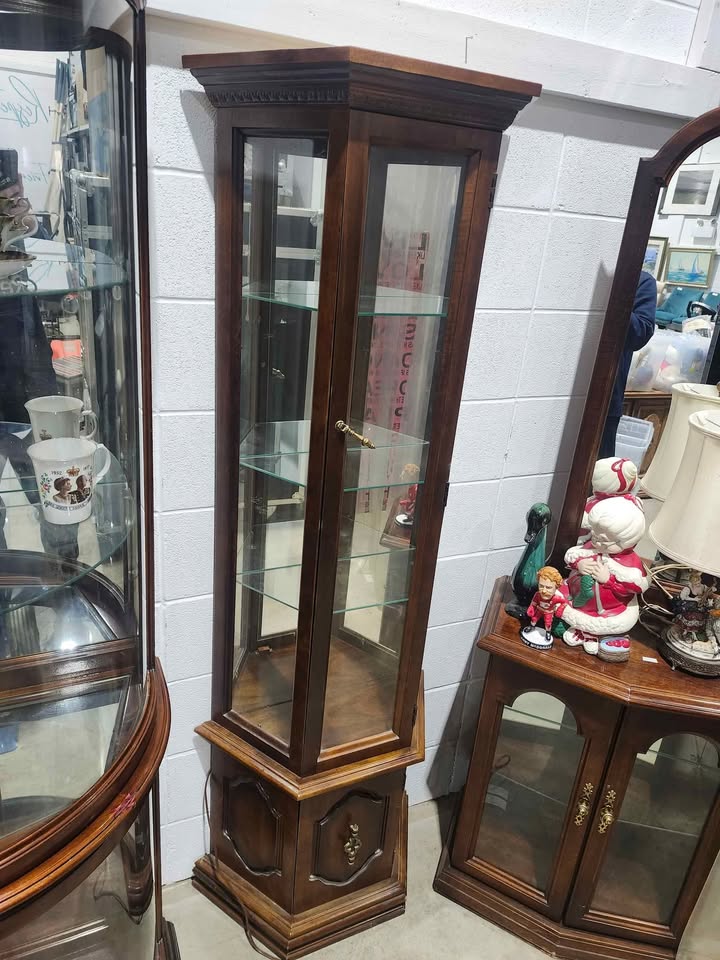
(361, 103)
(621, 715)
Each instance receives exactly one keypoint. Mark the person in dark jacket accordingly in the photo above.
(641, 329)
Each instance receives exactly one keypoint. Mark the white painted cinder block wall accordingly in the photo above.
(563, 193)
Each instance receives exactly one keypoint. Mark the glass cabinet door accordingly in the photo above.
(660, 791)
(69, 447)
(535, 781)
(414, 199)
(282, 225)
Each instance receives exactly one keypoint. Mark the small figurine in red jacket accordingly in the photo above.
(547, 603)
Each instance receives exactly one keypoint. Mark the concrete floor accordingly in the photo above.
(431, 926)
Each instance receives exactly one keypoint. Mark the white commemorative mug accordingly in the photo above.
(59, 416)
(66, 474)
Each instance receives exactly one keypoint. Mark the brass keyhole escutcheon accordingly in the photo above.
(607, 816)
(583, 807)
(342, 427)
(352, 844)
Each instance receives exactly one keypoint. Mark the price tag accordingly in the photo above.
(650, 659)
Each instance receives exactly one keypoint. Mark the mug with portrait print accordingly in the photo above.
(66, 471)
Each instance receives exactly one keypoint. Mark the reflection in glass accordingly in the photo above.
(411, 218)
(670, 794)
(534, 768)
(56, 747)
(109, 916)
(284, 197)
(67, 330)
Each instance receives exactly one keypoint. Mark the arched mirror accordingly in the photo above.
(661, 326)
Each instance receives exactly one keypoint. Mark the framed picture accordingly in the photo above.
(655, 256)
(689, 266)
(693, 190)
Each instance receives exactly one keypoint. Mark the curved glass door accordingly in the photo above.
(69, 426)
(109, 915)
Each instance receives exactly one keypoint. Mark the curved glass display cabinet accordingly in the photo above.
(353, 192)
(83, 707)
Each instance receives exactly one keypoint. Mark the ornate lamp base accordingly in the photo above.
(681, 649)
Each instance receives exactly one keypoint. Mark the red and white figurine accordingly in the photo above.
(547, 603)
(606, 577)
(612, 477)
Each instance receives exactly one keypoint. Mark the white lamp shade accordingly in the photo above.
(687, 398)
(687, 528)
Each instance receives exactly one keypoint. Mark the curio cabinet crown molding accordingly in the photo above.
(84, 708)
(353, 191)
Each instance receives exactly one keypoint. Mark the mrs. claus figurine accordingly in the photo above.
(612, 477)
(605, 580)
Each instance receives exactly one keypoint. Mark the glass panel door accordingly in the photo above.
(284, 196)
(537, 754)
(540, 752)
(660, 790)
(413, 205)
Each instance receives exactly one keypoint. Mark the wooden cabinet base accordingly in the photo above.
(554, 938)
(293, 935)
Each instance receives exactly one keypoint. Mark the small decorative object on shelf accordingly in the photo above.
(606, 576)
(410, 474)
(687, 529)
(547, 603)
(525, 575)
(612, 477)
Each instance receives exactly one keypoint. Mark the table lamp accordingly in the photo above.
(687, 529)
(687, 398)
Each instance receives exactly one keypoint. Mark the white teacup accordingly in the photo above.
(58, 416)
(66, 476)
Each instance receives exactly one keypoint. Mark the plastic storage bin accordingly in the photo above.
(633, 439)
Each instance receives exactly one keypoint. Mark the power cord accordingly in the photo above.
(212, 859)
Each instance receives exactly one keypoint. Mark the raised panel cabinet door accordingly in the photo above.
(347, 839)
(654, 836)
(537, 764)
(256, 827)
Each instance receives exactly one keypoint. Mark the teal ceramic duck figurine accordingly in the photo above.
(524, 576)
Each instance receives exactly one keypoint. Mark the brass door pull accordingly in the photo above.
(583, 807)
(353, 844)
(344, 428)
(607, 817)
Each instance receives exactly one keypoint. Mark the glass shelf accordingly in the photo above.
(91, 543)
(281, 450)
(385, 302)
(367, 576)
(53, 750)
(59, 268)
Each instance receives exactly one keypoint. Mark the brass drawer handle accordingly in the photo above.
(607, 817)
(583, 807)
(353, 844)
(344, 428)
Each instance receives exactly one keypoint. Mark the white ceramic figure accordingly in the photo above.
(612, 477)
(606, 575)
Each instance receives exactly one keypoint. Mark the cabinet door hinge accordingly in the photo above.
(445, 495)
(493, 185)
(414, 715)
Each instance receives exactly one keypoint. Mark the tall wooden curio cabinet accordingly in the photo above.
(353, 191)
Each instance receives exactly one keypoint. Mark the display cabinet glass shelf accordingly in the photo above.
(83, 704)
(352, 198)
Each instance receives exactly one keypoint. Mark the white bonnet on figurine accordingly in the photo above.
(616, 524)
(614, 475)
